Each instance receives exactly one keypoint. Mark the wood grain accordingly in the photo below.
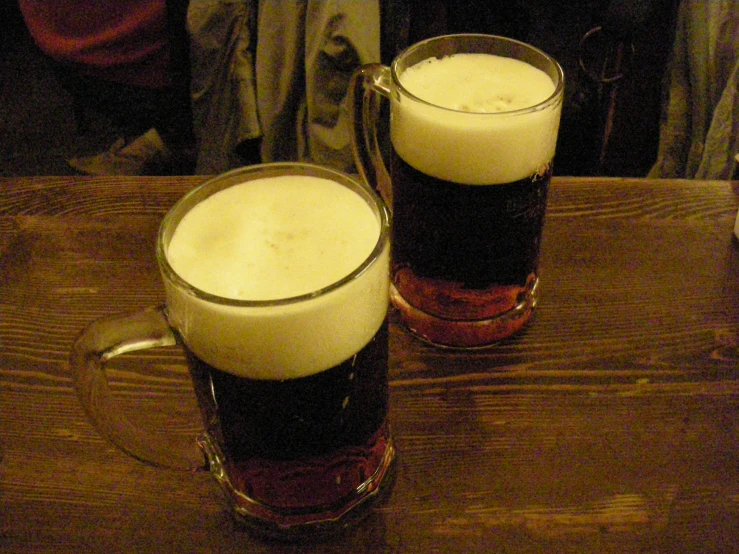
(611, 424)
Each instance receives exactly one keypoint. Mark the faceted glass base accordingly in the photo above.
(473, 333)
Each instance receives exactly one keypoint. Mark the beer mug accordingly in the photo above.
(276, 282)
(472, 134)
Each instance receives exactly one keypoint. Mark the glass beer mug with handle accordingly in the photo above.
(276, 281)
(473, 129)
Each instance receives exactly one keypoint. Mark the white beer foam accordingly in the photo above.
(478, 138)
(274, 238)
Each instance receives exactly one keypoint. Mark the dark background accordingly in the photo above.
(39, 130)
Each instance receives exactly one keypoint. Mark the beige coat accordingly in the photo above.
(278, 70)
(699, 136)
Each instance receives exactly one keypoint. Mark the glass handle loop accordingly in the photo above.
(103, 340)
(367, 86)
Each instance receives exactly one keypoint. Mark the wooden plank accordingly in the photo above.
(611, 424)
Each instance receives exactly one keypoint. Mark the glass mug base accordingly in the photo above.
(467, 333)
(326, 515)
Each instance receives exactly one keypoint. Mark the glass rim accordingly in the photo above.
(245, 174)
(555, 97)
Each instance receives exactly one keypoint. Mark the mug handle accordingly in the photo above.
(107, 338)
(366, 87)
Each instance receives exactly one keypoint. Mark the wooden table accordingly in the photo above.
(610, 425)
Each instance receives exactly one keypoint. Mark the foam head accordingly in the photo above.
(273, 256)
(481, 119)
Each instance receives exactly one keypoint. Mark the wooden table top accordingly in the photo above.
(611, 424)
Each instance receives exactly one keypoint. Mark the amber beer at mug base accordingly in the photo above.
(277, 288)
(473, 130)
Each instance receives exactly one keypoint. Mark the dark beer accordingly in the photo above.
(473, 136)
(465, 252)
(303, 444)
(289, 359)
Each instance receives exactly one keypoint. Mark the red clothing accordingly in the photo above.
(123, 41)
